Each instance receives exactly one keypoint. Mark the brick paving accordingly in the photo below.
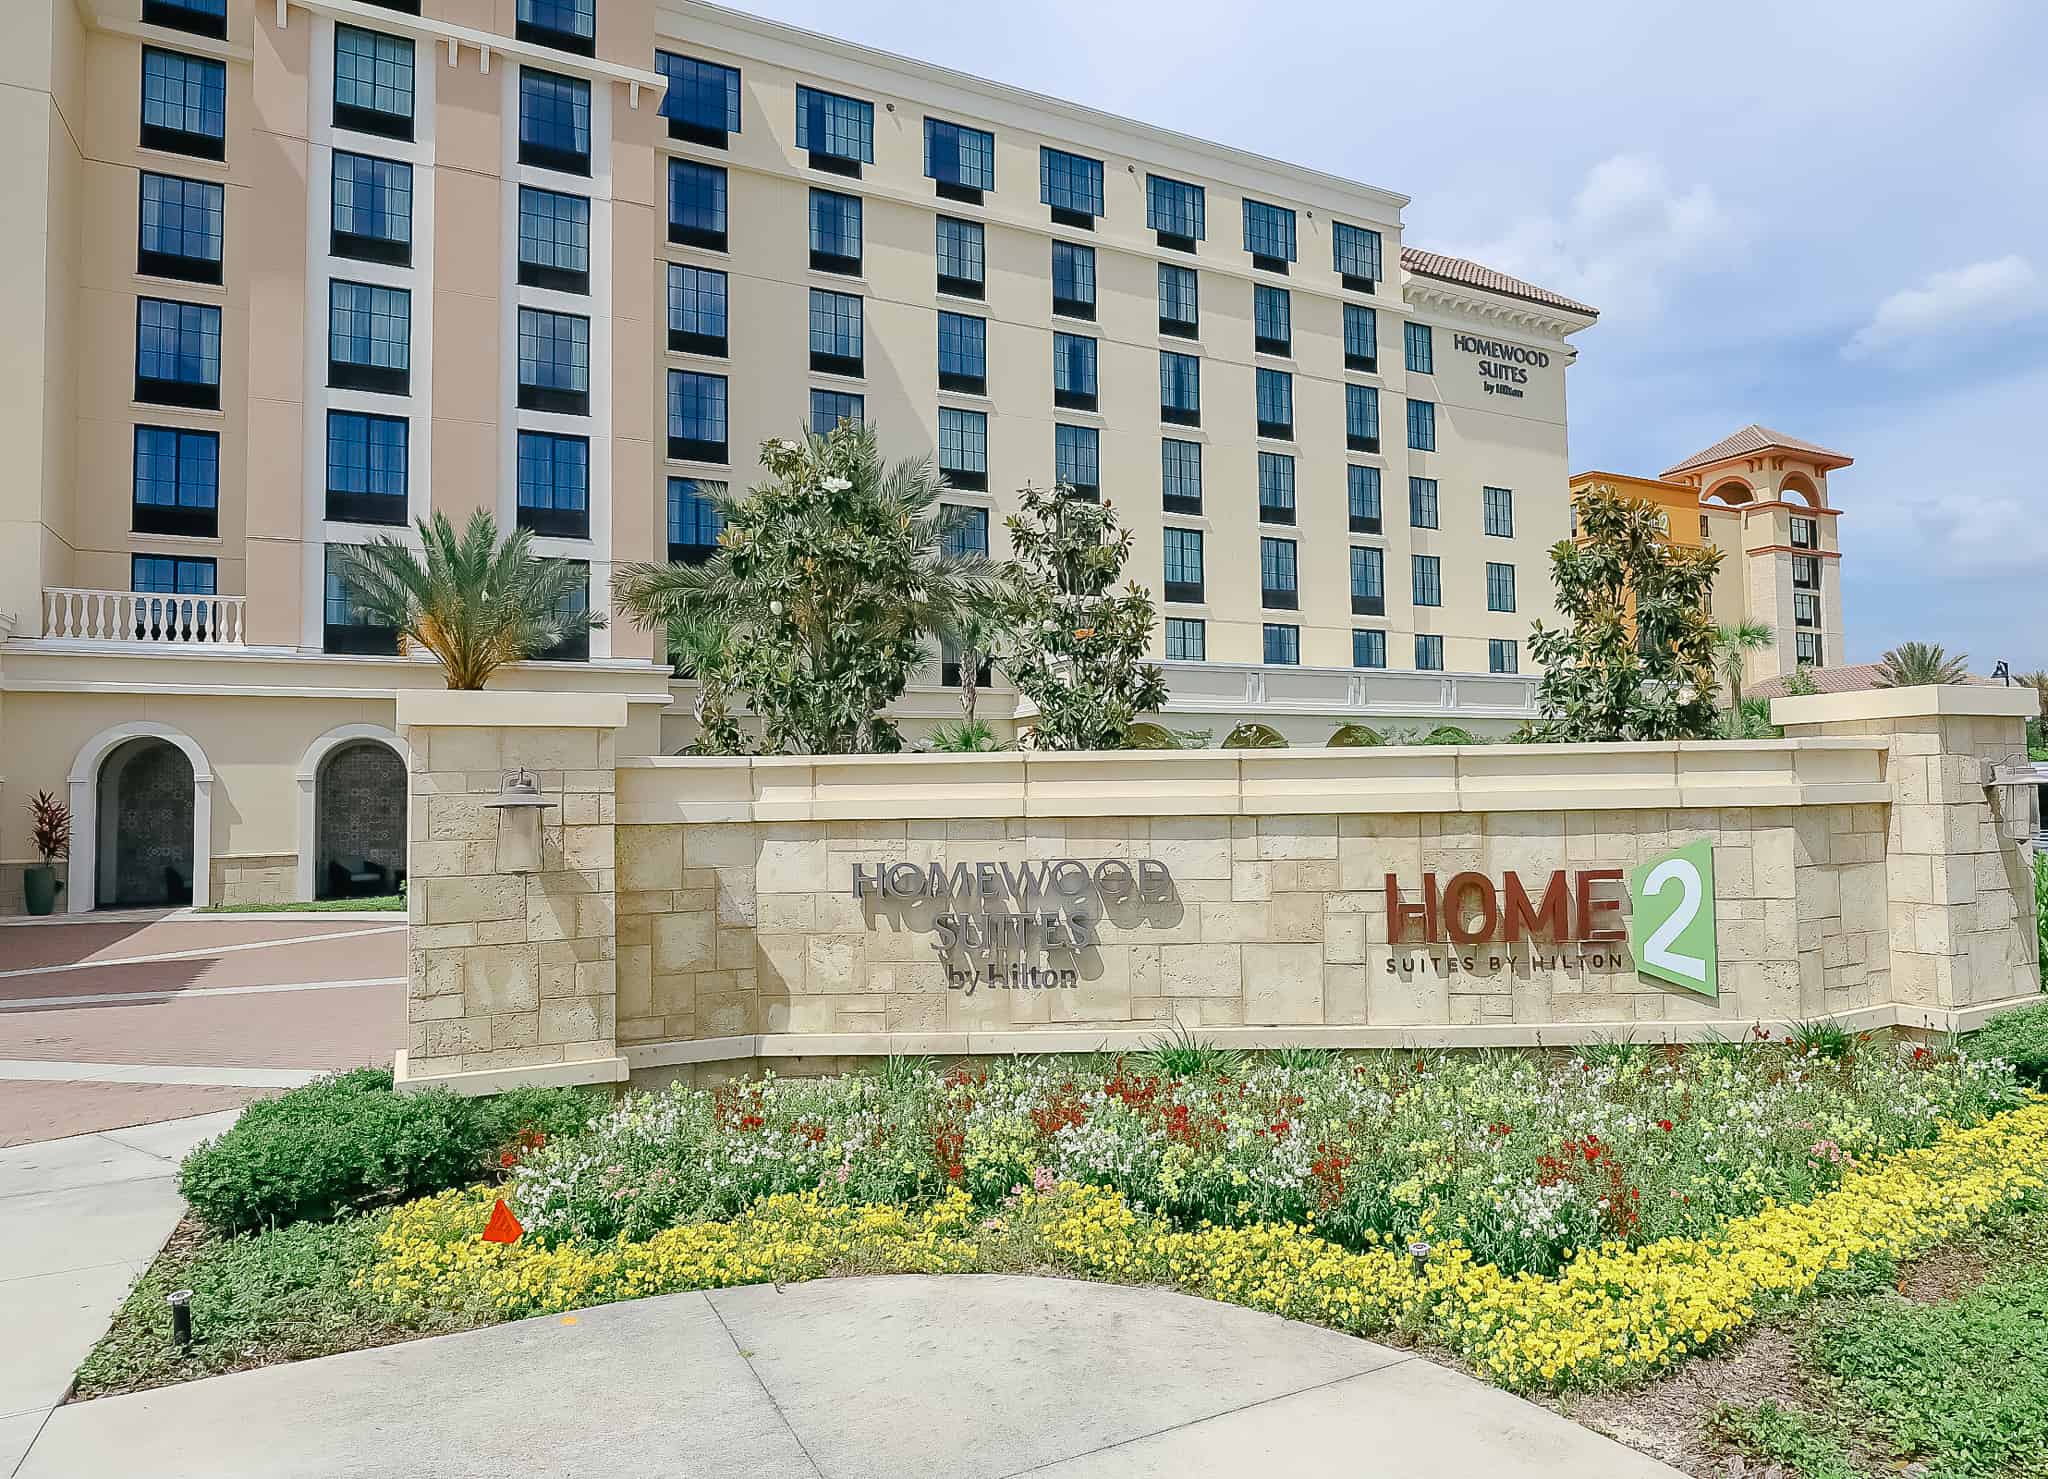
(326, 1028)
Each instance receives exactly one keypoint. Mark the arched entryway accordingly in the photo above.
(145, 799)
(141, 819)
(359, 821)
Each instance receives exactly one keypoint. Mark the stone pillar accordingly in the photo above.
(1961, 889)
(512, 976)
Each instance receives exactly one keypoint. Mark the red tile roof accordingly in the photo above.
(1854, 678)
(1470, 274)
(1755, 438)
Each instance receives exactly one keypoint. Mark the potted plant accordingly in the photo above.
(49, 828)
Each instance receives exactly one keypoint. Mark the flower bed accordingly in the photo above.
(1520, 1158)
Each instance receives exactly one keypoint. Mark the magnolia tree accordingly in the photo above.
(1635, 659)
(828, 581)
(1077, 644)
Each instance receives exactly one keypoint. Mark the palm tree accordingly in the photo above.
(474, 602)
(701, 648)
(1731, 645)
(973, 631)
(1911, 664)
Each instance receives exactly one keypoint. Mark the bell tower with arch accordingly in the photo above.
(1764, 499)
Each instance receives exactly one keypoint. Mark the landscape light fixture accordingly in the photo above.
(180, 1301)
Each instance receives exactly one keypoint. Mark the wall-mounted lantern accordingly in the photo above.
(2015, 790)
(519, 804)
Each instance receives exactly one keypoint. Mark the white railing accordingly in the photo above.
(1216, 687)
(134, 617)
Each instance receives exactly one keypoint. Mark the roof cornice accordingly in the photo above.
(1499, 308)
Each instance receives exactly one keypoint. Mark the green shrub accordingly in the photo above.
(1449, 734)
(2041, 911)
(349, 1141)
(2020, 1037)
(1357, 736)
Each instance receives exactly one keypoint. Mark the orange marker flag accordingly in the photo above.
(503, 1226)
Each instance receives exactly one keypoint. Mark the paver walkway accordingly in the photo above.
(976, 1377)
(80, 1219)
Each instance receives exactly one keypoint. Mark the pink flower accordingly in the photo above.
(1043, 1180)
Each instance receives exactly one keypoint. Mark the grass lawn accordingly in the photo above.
(1941, 1365)
(392, 903)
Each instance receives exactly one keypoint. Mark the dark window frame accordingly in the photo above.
(358, 505)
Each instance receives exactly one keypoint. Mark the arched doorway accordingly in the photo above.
(359, 796)
(145, 820)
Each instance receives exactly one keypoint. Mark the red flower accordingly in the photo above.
(1501, 1128)
(1664, 1125)
(1280, 1128)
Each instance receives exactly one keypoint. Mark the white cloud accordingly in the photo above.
(1982, 294)
(1627, 234)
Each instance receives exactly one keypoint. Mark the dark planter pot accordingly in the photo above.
(39, 886)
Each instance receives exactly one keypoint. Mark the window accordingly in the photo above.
(696, 416)
(554, 121)
(1499, 513)
(372, 209)
(177, 481)
(837, 132)
(963, 353)
(177, 353)
(1419, 348)
(1805, 533)
(181, 229)
(1368, 581)
(1077, 460)
(965, 531)
(835, 232)
(554, 484)
(1369, 649)
(697, 310)
(1180, 476)
(1500, 586)
(347, 626)
(1183, 565)
(1174, 209)
(1362, 485)
(1180, 388)
(1180, 312)
(1072, 185)
(554, 243)
(694, 523)
(184, 104)
(1429, 654)
(1806, 572)
(836, 337)
(372, 82)
(366, 468)
(1806, 647)
(1503, 655)
(1422, 504)
(1272, 320)
(1361, 337)
(1187, 640)
(200, 17)
(1805, 609)
(1278, 586)
(696, 205)
(569, 25)
(1073, 280)
(949, 665)
(1283, 644)
(554, 362)
(1275, 389)
(171, 575)
(1276, 488)
(1427, 575)
(963, 448)
(960, 160)
(1422, 426)
(1361, 418)
(962, 266)
(830, 407)
(702, 103)
(1268, 235)
(1357, 253)
(1073, 372)
(577, 601)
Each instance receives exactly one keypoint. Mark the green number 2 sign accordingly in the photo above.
(1671, 926)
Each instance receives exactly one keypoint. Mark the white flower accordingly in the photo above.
(775, 608)
(1687, 694)
(837, 485)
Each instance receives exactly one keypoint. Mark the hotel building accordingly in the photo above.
(290, 274)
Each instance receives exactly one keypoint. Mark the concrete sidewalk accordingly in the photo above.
(977, 1377)
(80, 1219)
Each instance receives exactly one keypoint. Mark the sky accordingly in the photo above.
(1830, 218)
